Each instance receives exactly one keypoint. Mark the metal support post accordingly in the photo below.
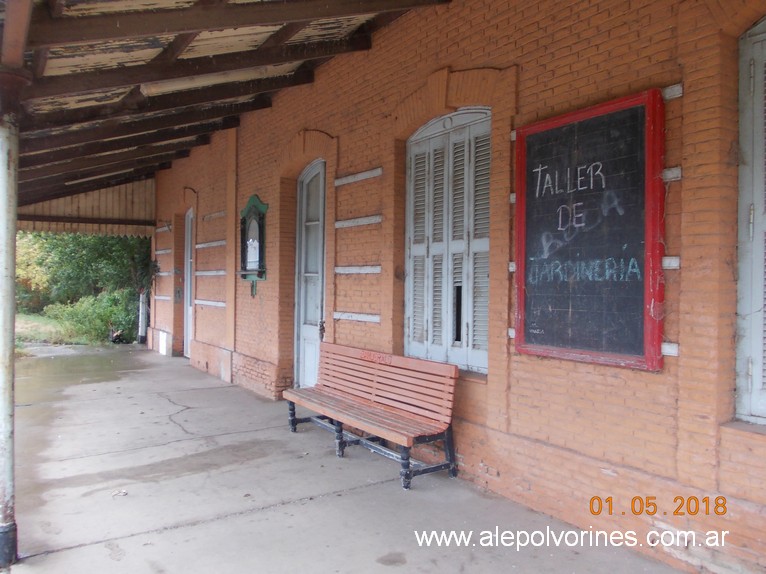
(11, 83)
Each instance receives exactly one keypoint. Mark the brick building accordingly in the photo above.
(339, 164)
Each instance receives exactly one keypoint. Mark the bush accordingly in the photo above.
(94, 318)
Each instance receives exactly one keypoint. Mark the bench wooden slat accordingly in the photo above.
(426, 379)
(442, 369)
(398, 399)
(347, 378)
(370, 418)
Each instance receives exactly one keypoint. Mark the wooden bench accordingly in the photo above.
(401, 400)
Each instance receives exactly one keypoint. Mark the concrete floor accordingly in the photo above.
(131, 462)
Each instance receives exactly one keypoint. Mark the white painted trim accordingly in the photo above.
(361, 176)
(358, 221)
(164, 274)
(670, 349)
(214, 272)
(162, 297)
(360, 269)
(163, 251)
(672, 92)
(362, 317)
(671, 262)
(163, 229)
(206, 303)
(672, 174)
(214, 215)
(209, 244)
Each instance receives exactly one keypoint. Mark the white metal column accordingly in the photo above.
(11, 83)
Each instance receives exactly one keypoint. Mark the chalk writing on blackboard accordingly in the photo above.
(588, 233)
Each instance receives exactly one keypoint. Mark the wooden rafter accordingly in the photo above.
(99, 171)
(57, 86)
(89, 162)
(115, 129)
(170, 101)
(15, 31)
(49, 31)
(62, 190)
(148, 138)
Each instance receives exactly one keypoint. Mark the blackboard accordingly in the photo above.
(589, 208)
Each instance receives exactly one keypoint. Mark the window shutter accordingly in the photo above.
(447, 284)
(751, 282)
(419, 189)
(418, 299)
(481, 186)
(480, 311)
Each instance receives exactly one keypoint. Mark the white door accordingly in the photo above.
(188, 275)
(309, 289)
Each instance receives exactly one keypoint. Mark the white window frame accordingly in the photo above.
(751, 281)
(435, 258)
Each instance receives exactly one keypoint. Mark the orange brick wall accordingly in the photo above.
(546, 432)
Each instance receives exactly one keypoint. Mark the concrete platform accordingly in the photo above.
(130, 462)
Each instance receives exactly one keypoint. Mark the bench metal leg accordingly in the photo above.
(449, 452)
(340, 440)
(406, 472)
(291, 416)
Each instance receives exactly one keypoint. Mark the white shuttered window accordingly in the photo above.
(447, 286)
(751, 300)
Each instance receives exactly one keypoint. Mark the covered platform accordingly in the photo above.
(129, 461)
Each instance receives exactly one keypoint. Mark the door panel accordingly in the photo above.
(310, 274)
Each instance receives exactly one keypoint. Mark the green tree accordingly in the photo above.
(93, 282)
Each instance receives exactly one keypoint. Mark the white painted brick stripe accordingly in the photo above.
(358, 221)
(362, 317)
(361, 176)
(361, 270)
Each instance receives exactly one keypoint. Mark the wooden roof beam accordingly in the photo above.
(15, 32)
(63, 190)
(49, 31)
(170, 101)
(96, 161)
(148, 138)
(99, 171)
(66, 85)
(43, 140)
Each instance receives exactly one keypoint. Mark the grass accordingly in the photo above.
(39, 329)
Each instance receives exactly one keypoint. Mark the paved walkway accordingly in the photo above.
(130, 462)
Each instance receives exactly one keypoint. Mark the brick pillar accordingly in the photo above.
(707, 306)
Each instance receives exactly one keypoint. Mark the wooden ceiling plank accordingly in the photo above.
(42, 141)
(57, 86)
(49, 31)
(148, 138)
(15, 32)
(170, 101)
(92, 161)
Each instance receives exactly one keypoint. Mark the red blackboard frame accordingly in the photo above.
(654, 198)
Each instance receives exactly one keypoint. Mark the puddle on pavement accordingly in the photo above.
(46, 376)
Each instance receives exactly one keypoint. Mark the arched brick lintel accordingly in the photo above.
(444, 91)
(735, 16)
